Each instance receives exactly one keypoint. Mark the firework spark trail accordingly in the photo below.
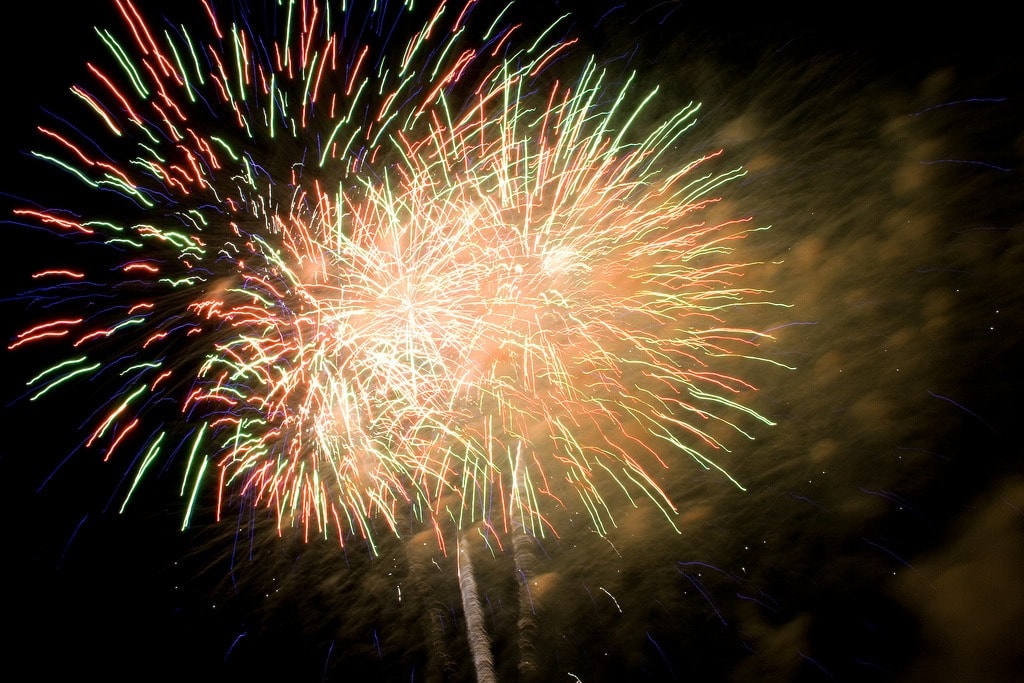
(372, 275)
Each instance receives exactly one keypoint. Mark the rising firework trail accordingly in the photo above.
(389, 265)
(476, 629)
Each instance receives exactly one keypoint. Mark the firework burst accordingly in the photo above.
(386, 280)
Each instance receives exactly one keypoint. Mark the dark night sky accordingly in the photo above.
(881, 536)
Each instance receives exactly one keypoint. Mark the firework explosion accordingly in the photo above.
(389, 281)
